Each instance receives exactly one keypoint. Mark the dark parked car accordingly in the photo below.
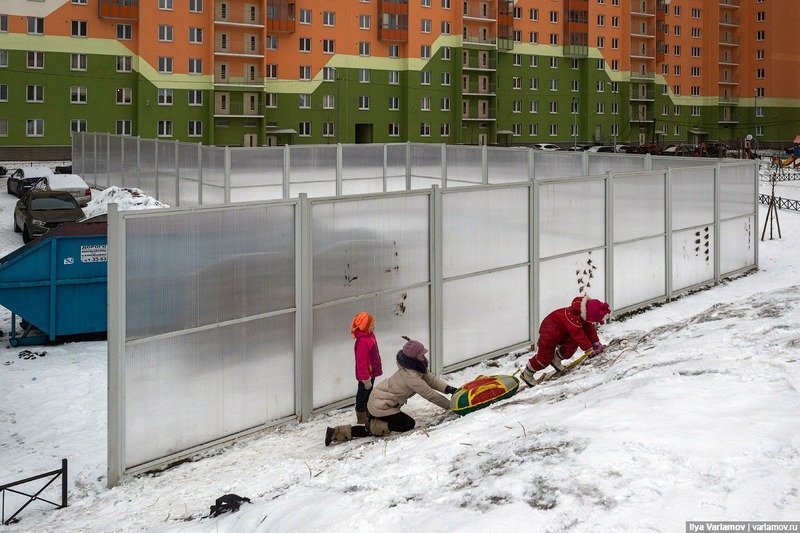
(38, 211)
(23, 179)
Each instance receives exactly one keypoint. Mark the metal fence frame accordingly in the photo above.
(304, 327)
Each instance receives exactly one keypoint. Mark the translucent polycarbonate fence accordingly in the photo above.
(226, 319)
(188, 174)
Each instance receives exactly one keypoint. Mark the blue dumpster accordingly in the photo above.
(57, 284)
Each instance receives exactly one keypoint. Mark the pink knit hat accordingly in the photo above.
(415, 350)
(596, 311)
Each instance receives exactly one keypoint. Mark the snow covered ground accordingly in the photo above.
(692, 415)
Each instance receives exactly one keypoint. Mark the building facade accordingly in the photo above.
(517, 72)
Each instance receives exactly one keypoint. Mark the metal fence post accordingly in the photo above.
(585, 163)
(535, 241)
(304, 319)
(436, 262)
(286, 177)
(338, 169)
(122, 161)
(385, 165)
(648, 161)
(443, 161)
(408, 165)
(227, 199)
(717, 225)
(177, 175)
(155, 157)
(609, 258)
(757, 241)
(484, 164)
(94, 157)
(668, 234)
(199, 173)
(116, 346)
(108, 160)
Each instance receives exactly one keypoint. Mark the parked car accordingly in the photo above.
(72, 183)
(579, 148)
(683, 150)
(547, 147)
(63, 169)
(38, 211)
(601, 150)
(23, 179)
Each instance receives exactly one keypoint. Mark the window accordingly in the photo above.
(601, 20)
(759, 54)
(124, 96)
(516, 128)
(79, 28)
(424, 129)
(676, 110)
(196, 6)
(534, 37)
(3, 23)
(676, 30)
(534, 14)
(195, 128)
(363, 48)
(3, 92)
(695, 90)
(444, 103)
(601, 108)
(35, 26)
(304, 129)
(677, 11)
(554, 84)
(533, 129)
(35, 60)
(534, 61)
(445, 28)
(445, 4)
(615, 43)
(425, 103)
(516, 106)
(516, 82)
(305, 44)
(304, 101)
(695, 110)
(78, 61)
(329, 46)
(425, 77)
(615, 65)
(363, 103)
(394, 51)
(759, 130)
(426, 3)
(305, 72)
(615, 22)
(272, 42)
(164, 4)
(695, 51)
(35, 93)
(124, 63)
(305, 16)
(425, 25)
(760, 73)
(77, 125)
(328, 74)
(364, 75)
(601, 64)
(394, 129)
(676, 70)
(364, 22)
(195, 97)
(3, 127)
(124, 127)
(394, 77)
(272, 71)
(425, 51)
(553, 108)
(574, 85)
(445, 81)
(696, 33)
(761, 16)
(77, 95)
(124, 32)
(165, 128)
(553, 130)
(195, 35)
(601, 42)
(165, 97)
(328, 101)
(165, 65)
(328, 129)
(444, 129)
(761, 35)
(34, 127)
(271, 100)
(534, 109)
(553, 62)
(534, 84)
(554, 39)
(165, 32)
(576, 63)
(554, 17)
(195, 65)
(328, 18)
(676, 50)
(695, 12)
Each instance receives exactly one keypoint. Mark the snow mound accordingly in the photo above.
(126, 197)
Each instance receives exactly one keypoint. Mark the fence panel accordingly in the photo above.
(396, 167)
(557, 164)
(101, 167)
(370, 251)
(464, 165)
(692, 197)
(692, 256)
(616, 163)
(130, 165)
(167, 172)
(426, 165)
(737, 243)
(213, 161)
(362, 168)
(77, 154)
(485, 230)
(256, 174)
(115, 161)
(639, 205)
(189, 170)
(313, 170)
(737, 190)
(507, 165)
(663, 162)
(148, 167)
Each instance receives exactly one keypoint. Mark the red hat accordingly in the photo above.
(596, 311)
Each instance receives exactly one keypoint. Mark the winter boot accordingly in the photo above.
(338, 434)
(361, 417)
(527, 375)
(556, 362)
(377, 427)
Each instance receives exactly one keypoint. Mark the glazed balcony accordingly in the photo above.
(118, 9)
(281, 16)
(393, 21)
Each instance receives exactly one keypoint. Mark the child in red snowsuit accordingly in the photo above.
(565, 330)
(368, 360)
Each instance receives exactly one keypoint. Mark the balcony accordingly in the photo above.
(646, 53)
(645, 31)
(643, 96)
(728, 99)
(728, 117)
(280, 16)
(472, 11)
(393, 21)
(732, 4)
(730, 79)
(729, 20)
(118, 9)
(729, 60)
(238, 81)
(475, 88)
(238, 49)
(479, 40)
(479, 115)
(643, 75)
(476, 63)
(238, 15)
(643, 8)
(642, 117)
(729, 40)
(237, 109)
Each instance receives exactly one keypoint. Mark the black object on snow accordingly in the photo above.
(228, 504)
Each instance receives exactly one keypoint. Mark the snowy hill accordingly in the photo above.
(691, 415)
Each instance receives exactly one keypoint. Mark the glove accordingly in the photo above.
(367, 383)
(450, 390)
(597, 348)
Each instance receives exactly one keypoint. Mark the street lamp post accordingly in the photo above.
(574, 122)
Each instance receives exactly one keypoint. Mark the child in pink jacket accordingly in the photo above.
(368, 360)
